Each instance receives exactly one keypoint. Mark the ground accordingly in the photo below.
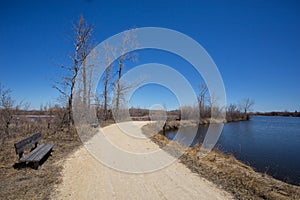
(85, 177)
(71, 171)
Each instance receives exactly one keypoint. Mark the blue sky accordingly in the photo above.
(255, 44)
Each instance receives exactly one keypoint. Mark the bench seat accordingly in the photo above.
(37, 154)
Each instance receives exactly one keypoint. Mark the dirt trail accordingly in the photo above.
(84, 177)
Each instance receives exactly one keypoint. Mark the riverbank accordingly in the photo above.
(176, 124)
(224, 170)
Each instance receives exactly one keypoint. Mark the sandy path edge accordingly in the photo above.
(84, 177)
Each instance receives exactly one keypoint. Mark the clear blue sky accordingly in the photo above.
(255, 44)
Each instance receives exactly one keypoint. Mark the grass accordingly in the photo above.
(25, 182)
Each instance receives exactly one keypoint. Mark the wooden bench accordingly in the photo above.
(37, 152)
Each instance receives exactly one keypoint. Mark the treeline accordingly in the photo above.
(16, 117)
(208, 107)
(276, 113)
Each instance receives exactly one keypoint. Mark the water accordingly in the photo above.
(268, 144)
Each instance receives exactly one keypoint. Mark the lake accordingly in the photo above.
(268, 144)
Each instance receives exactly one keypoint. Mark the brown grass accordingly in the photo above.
(23, 182)
(26, 183)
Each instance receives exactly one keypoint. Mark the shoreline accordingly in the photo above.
(175, 124)
(239, 179)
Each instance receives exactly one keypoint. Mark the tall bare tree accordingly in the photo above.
(128, 43)
(202, 96)
(109, 56)
(81, 42)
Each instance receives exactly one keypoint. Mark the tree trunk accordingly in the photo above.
(84, 83)
(119, 86)
(70, 114)
(105, 99)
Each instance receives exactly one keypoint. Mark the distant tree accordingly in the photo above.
(41, 107)
(202, 96)
(232, 108)
(233, 113)
(98, 106)
(246, 105)
(189, 113)
(6, 108)
(215, 109)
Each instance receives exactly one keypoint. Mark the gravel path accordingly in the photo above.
(85, 177)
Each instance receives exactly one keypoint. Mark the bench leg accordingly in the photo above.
(36, 165)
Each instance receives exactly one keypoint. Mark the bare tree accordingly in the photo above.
(119, 106)
(82, 35)
(189, 112)
(246, 105)
(233, 113)
(202, 96)
(97, 100)
(6, 108)
(90, 85)
(213, 103)
(128, 43)
(109, 56)
(83, 32)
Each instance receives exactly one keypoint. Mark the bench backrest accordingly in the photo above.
(28, 142)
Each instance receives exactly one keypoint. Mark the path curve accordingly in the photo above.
(84, 177)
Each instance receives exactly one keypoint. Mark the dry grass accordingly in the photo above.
(26, 183)
(229, 173)
(23, 182)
